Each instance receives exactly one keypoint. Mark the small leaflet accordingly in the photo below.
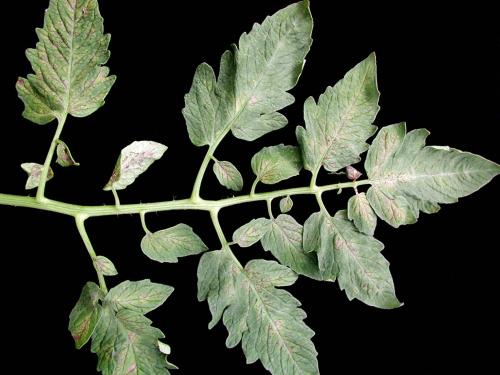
(34, 171)
(228, 175)
(134, 160)
(286, 204)
(352, 173)
(105, 266)
(64, 157)
(276, 163)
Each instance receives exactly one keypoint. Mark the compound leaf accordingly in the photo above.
(266, 320)
(338, 126)
(140, 296)
(68, 63)
(86, 314)
(276, 163)
(228, 175)
(253, 82)
(167, 245)
(408, 177)
(284, 241)
(34, 171)
(134, 160)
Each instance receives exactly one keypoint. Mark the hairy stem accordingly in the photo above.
(40, 193)
(80, 224)
(182, 204)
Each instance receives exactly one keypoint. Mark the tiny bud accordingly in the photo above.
(352, 173)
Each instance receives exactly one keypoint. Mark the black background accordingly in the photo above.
(437, 69)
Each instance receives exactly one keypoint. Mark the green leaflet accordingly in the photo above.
(318, 237)
(167, 245)
(253, 80)
(266, 320)
(276, 163)
(284, 241)
(286, 204)
(140, 296)
(126, 344)
(228, 175)
(86, 314)
(361, 213)
(64, 157)
(252, 232)
(408, 177)
(351, 257)
(363, 271)
(68, 63)
(134, 160)
(105, 266)
(338, 126)
(34, 171)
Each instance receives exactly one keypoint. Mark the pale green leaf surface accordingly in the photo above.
(86, 314)
(68, 63)
(318, 237)
(228, 175)
(105, 266)
(361, 213)
(127, 344)
(64, 157)
(134, 160)
(34, 171)
(167, 245)
(363, 271)
(140, 296)
(266, 320)
(276, 163)
(286, 204)
(252, 232)
(338, 126)
(408, 176)
(284, 241)
(253, 81)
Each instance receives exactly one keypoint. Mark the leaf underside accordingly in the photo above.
(266, 320)
(68, 63)
(408, 177)
(253, 82)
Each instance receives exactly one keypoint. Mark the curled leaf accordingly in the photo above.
(86, 314)
(134, 160)
(352, 173)
(64, 157)
(34, 171)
